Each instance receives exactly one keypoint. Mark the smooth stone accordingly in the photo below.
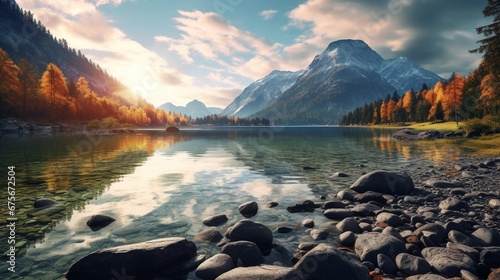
(167, 257)
(325, 262)
(412, 265)
(214, 267)
(345, 195)
(453, 203)
(262, 272)
(384, 182)
(458, 191)
(449, 262)
(215, 221)
(438, 229)
(347, 238)
(494, 275)
(486, 237)
(348, 224)
(370, 196)
(494, 203)
(340, 175)
(308, 223)
(369, 245)
(386, 264)
(272, 204)
(426, 277)
(472, 252)
(337, 214)
(365, 209)
(211, 235)
(43, 202)
(392, 231)
(250, 231)
(305, 206)
(390, 219)
(319, 234)
(491, 257)
(307, 246)
(460, 238)
(47, 211)
(466, 275)
(411, 199)
(334, 204)
(243, 253)
(434, 183)
(98, 222)
(248, 209)
(284, 229)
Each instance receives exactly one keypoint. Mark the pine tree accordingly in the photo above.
(28, 83)
(9, 83)
(490, 46)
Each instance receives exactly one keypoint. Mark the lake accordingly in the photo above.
(157, 185)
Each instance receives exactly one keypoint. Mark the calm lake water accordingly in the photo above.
(157, 185)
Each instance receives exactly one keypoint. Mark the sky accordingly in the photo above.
(210, 50)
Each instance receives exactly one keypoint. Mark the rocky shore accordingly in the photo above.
(436, 222)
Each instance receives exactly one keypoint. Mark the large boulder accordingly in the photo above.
(243, 253)
(263, 272)
(326, 262)
(369, 245)
(384, 182)
(449, 262)
(250, 231)
(167, 257)
(214, 267)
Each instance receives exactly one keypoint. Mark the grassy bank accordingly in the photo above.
(441, 127)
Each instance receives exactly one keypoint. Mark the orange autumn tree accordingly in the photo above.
(490, 96)
(53, 88)
(9, 83)
(383, 112)
(453, 95)
(391, 107)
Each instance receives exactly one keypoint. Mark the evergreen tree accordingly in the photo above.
(28, 83)
(439, 113)
(490, 46)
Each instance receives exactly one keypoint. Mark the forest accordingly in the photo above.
(474, 98)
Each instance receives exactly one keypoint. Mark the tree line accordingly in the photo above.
(476, 96)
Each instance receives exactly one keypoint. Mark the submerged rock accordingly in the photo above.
(250, 231)
(262, 272)
(168, 257)
(306, 206)
(215, 221)
(98, 222)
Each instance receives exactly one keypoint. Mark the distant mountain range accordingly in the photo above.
(261, 93)
(346, 75)
(194, 109)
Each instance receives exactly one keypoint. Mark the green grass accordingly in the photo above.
(483, 146)
(441, 127)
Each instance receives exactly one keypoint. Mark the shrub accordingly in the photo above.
(484, 126)
(93, 124)
(110, 122)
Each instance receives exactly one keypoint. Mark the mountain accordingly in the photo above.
(23, 37)
(261, 93)
(346, 75)
(194, 109)
(215, 110)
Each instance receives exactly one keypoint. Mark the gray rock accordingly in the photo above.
(337, 214)
(334, 204)
(466, 275)
(434, 183)
(438, 229)
(248, 209)
(426, 277)
(390, 219)
(369, 245)
(345, 195)
(348, 224)
(453, 203)
(412, 265)
(305, 206)
(449, 262)
(325, 262)
(308, 223)
(491, 257)
(386, 264)
(384, 182)
(215, 221)
(347, 238)
(460, 238)
(494, 275)
(411, 199)
(486, 237)
(172, 257)
(214, 267)
(365, 209)
(370, 196)
(262, 272)
(284, 229)
(392, 231)
(272, 204)
(340, 175)
(319, 234)
(98, 222)
(211, 235)
(250, 231)
(243, 253)
(47, 211)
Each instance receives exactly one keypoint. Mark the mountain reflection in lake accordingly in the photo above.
(157, 185)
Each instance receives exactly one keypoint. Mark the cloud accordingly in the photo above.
(268, 14)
